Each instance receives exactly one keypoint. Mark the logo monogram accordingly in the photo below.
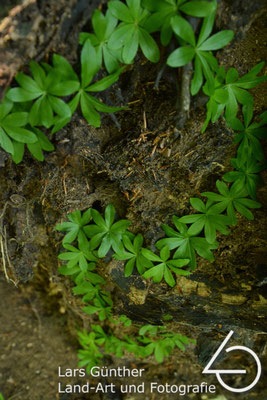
(219, 372)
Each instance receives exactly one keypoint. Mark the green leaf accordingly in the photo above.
(21, 135)
(65, 88)
(99, 106)
(183, 29)
(129, 267)
(181, 56)
(36, 150)
(15, 119)
(89, 64)
(150, 255)
(28, 84)
(198, 8)
(217, 41)
(104, 83)
(59, 106)
(221, 96)
(46, 112)
(21, 95)
(34, 115)
(120, 11)
(118, 37)
(168, 277)
(43, 140)
(38, 74)
(197, 80)
(65, 69)
(109, 215)
(130, 45)
(18, 152)
(99, 24)
(231, 76)
(155, 272)
(149, 46)
(164, 253)
(88, 111)
(111, 60)
(5, 108)
(5, 142)
(206, 28)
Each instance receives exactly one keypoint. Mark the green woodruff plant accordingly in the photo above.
(47, 100)
(96, 237)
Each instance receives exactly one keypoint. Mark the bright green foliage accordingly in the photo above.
(90, 355)
(36, 149)
(125, 320)
(246, 174)
(164, 266)
(133, 255)
(161, 342)
(44, 88)
(186, 243)
(233, 199)
(75, 227)
(91, 291)
(228, 90)
(163, 11)
(105, 233)
(104, 26)
(210, 219)
(131, 32)
(12, 128)
(89, 104)
(150, 340)
(100, 307)
(49, 82)
(78, 265)
(199, 50)
(249, 134)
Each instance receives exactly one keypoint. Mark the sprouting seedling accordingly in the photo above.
(199, 50)
(133, 253)
(131, 32)
(164, 266)
(90, 105)
(246, 173)
(105, 233)
(44, 88)
(228, 90)
(186, 243)
(104, 26)
(209, 219)
(249, 134)
(233, 199)
(163, 11)
(75, 226)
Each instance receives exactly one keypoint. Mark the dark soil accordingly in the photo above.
(147, 163)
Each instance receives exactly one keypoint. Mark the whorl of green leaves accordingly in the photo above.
(36, 102)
